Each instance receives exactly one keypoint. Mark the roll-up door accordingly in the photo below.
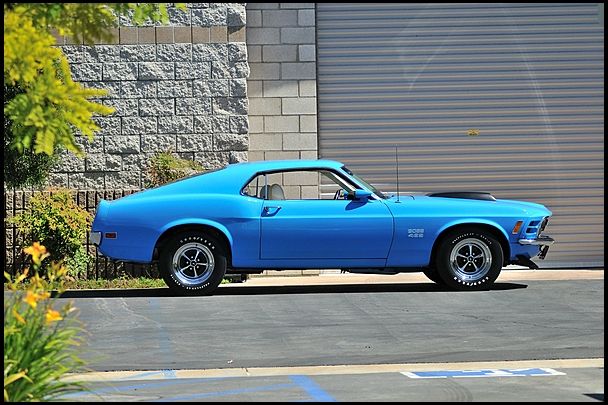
(506, 98)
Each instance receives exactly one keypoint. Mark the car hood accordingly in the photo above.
(480, 206)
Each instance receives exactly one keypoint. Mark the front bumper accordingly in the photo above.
(543, 241)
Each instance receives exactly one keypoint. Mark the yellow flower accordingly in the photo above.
(18, 316)
(52, 316)
(37, 251)
(32, 298)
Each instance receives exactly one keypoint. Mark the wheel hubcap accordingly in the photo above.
(193, 264)
(470, 259)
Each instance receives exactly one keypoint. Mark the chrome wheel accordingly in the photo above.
(470, 259)
(193, 264)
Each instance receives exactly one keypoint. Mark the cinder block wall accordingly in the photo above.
(181, 87)
(281, 44)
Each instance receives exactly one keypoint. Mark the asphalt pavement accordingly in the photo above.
(276, 338)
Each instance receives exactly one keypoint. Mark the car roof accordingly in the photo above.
(271, 165)
(233, 177)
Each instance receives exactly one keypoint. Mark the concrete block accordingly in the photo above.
(262, 6)
(100, 53)
(192, 106)
(254, 88)
(157, 143)
(174, 52)
(239, 124)
(230, 105)
(279, 18)
(137, 89)
(306, 18)
(307, 53)
(307, 105)
(137, 126)
(123, 180)
(281, 124)
(300, 141)
(308, 123)
(298, 35)
(87, 72)
(302, 70)
(230, 142)
(280, 53)
(265, 71)
(297, 5)
(280, 88)
(157, 107)
(124, 107)
(156, 71)
(209, 52)
(194, 142)
(137, 53)
(263, 36)
(264, 106)
(254, 53)
(122, 144)
(192, 70)
(120, 71)
(236, 15)
(265, 142)
(256, 125)
(254, 18)
(211, 88)
(174, 88)
(282, 155)
(175, 125)
(308, 88)
(238, 87)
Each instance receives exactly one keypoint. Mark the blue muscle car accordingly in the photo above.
(312, 214)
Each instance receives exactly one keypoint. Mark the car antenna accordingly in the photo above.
(397, 165)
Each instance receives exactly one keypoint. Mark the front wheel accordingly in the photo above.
(469, 259)
(192, 263)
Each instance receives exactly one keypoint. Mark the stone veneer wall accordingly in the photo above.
(181, 87)
(282, 86)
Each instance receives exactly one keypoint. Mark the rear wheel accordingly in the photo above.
(469, 259)
(192, 263)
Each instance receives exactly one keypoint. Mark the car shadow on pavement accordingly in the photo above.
(291, 289)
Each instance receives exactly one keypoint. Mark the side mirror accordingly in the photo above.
(359, 195)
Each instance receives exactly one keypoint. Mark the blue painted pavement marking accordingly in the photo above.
(521, 372)
(151, 384)
(312, 388)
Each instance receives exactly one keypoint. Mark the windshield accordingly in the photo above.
(365, 183)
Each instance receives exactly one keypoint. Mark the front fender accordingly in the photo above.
(473, 221)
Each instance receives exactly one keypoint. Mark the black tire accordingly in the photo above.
(469, 259)
(433, 275)
(192, 263)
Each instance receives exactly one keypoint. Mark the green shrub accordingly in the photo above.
(165, 167)
(59, 224)
(39, 337)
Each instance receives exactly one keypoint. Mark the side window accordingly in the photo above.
(298, 185)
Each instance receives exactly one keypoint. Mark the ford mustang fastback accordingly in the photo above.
(316, 214)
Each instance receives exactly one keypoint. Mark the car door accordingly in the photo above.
(325, 229)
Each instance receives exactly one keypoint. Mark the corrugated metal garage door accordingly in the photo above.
(528, 78)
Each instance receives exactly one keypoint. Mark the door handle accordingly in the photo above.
(270, 211)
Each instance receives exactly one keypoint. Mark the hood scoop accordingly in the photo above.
(468, 195)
